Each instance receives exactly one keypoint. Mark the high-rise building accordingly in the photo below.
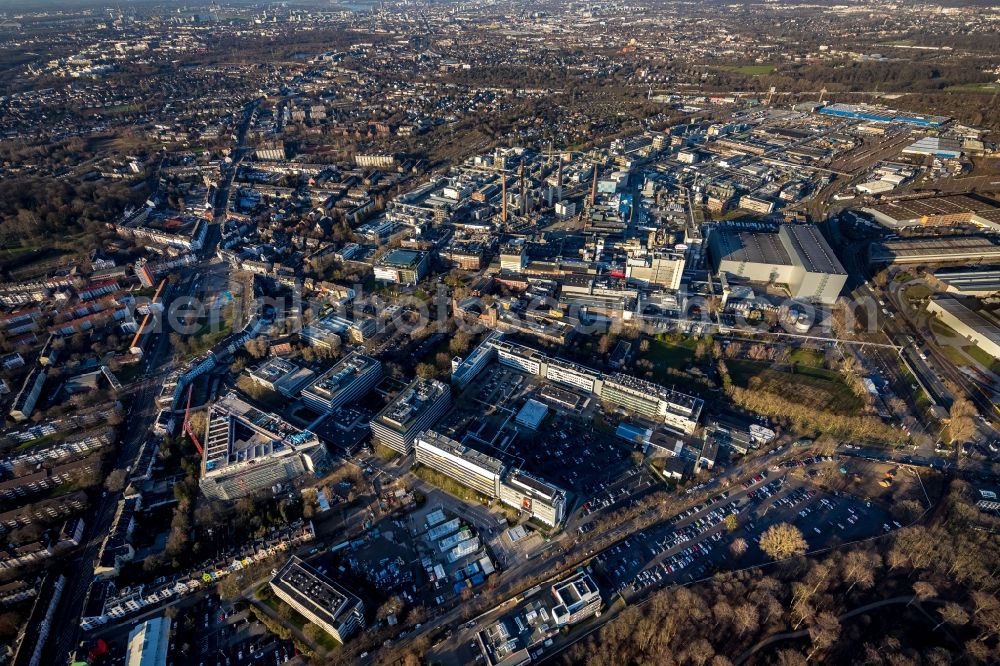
(350, 379)
(247, 450)
(414, 410)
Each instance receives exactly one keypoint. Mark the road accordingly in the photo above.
(138, 421)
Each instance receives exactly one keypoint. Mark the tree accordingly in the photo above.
(426, 370)
(823, 633)
(783, 540)
(859, 569)
(961, 423)
(738, 547)
(115, 482)
(313, 632)
(730, 522)
(953, 614)
(745, 618)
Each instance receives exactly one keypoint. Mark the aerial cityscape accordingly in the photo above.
(494, 332)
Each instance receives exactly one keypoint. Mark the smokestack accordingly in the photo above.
(593, 187)
(559, 173)
(524, 189)
(503, 203)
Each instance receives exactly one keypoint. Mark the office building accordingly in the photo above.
(411, 412)
(149, 643)
(469, 467)
(981, 328)
(513, 258)
(796, 256)
(282, 376)
(349, 380)
(539, 499)
(319, 599)
(676, 410)
(247, 450)
(532, 414)
(577, 598)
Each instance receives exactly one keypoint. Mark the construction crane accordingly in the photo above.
(187, 424)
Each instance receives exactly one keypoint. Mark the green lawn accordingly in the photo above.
(813, 358)
(954, 355)
(918, 292)
(750, 70)
(983, 358)
(666, 355)
(943, 330)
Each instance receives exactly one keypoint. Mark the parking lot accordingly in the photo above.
(695, 542)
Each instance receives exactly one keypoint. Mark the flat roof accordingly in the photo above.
(321, 595)
(811, 248)
(340, 377)
(752, 247)
(912, 210)
(412, 401)
(459, 450)
(238, 433)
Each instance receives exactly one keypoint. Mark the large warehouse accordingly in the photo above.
(982, 330)
(936, 250)
(796, 255)
(937, 212)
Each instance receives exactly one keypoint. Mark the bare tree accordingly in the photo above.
(783, 540)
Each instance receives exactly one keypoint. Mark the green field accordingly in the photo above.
(983, 358)
(665, 355)
(750, 70)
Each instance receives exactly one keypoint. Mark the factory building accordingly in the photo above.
(979, 328)
(661, 269)
(936, 250)
(979, 282)
(414, 410)
(149, 643)
(319, 599)
(350, 379)
(939, 211)
(796, 256)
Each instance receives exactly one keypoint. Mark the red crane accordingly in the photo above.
(187, 423)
